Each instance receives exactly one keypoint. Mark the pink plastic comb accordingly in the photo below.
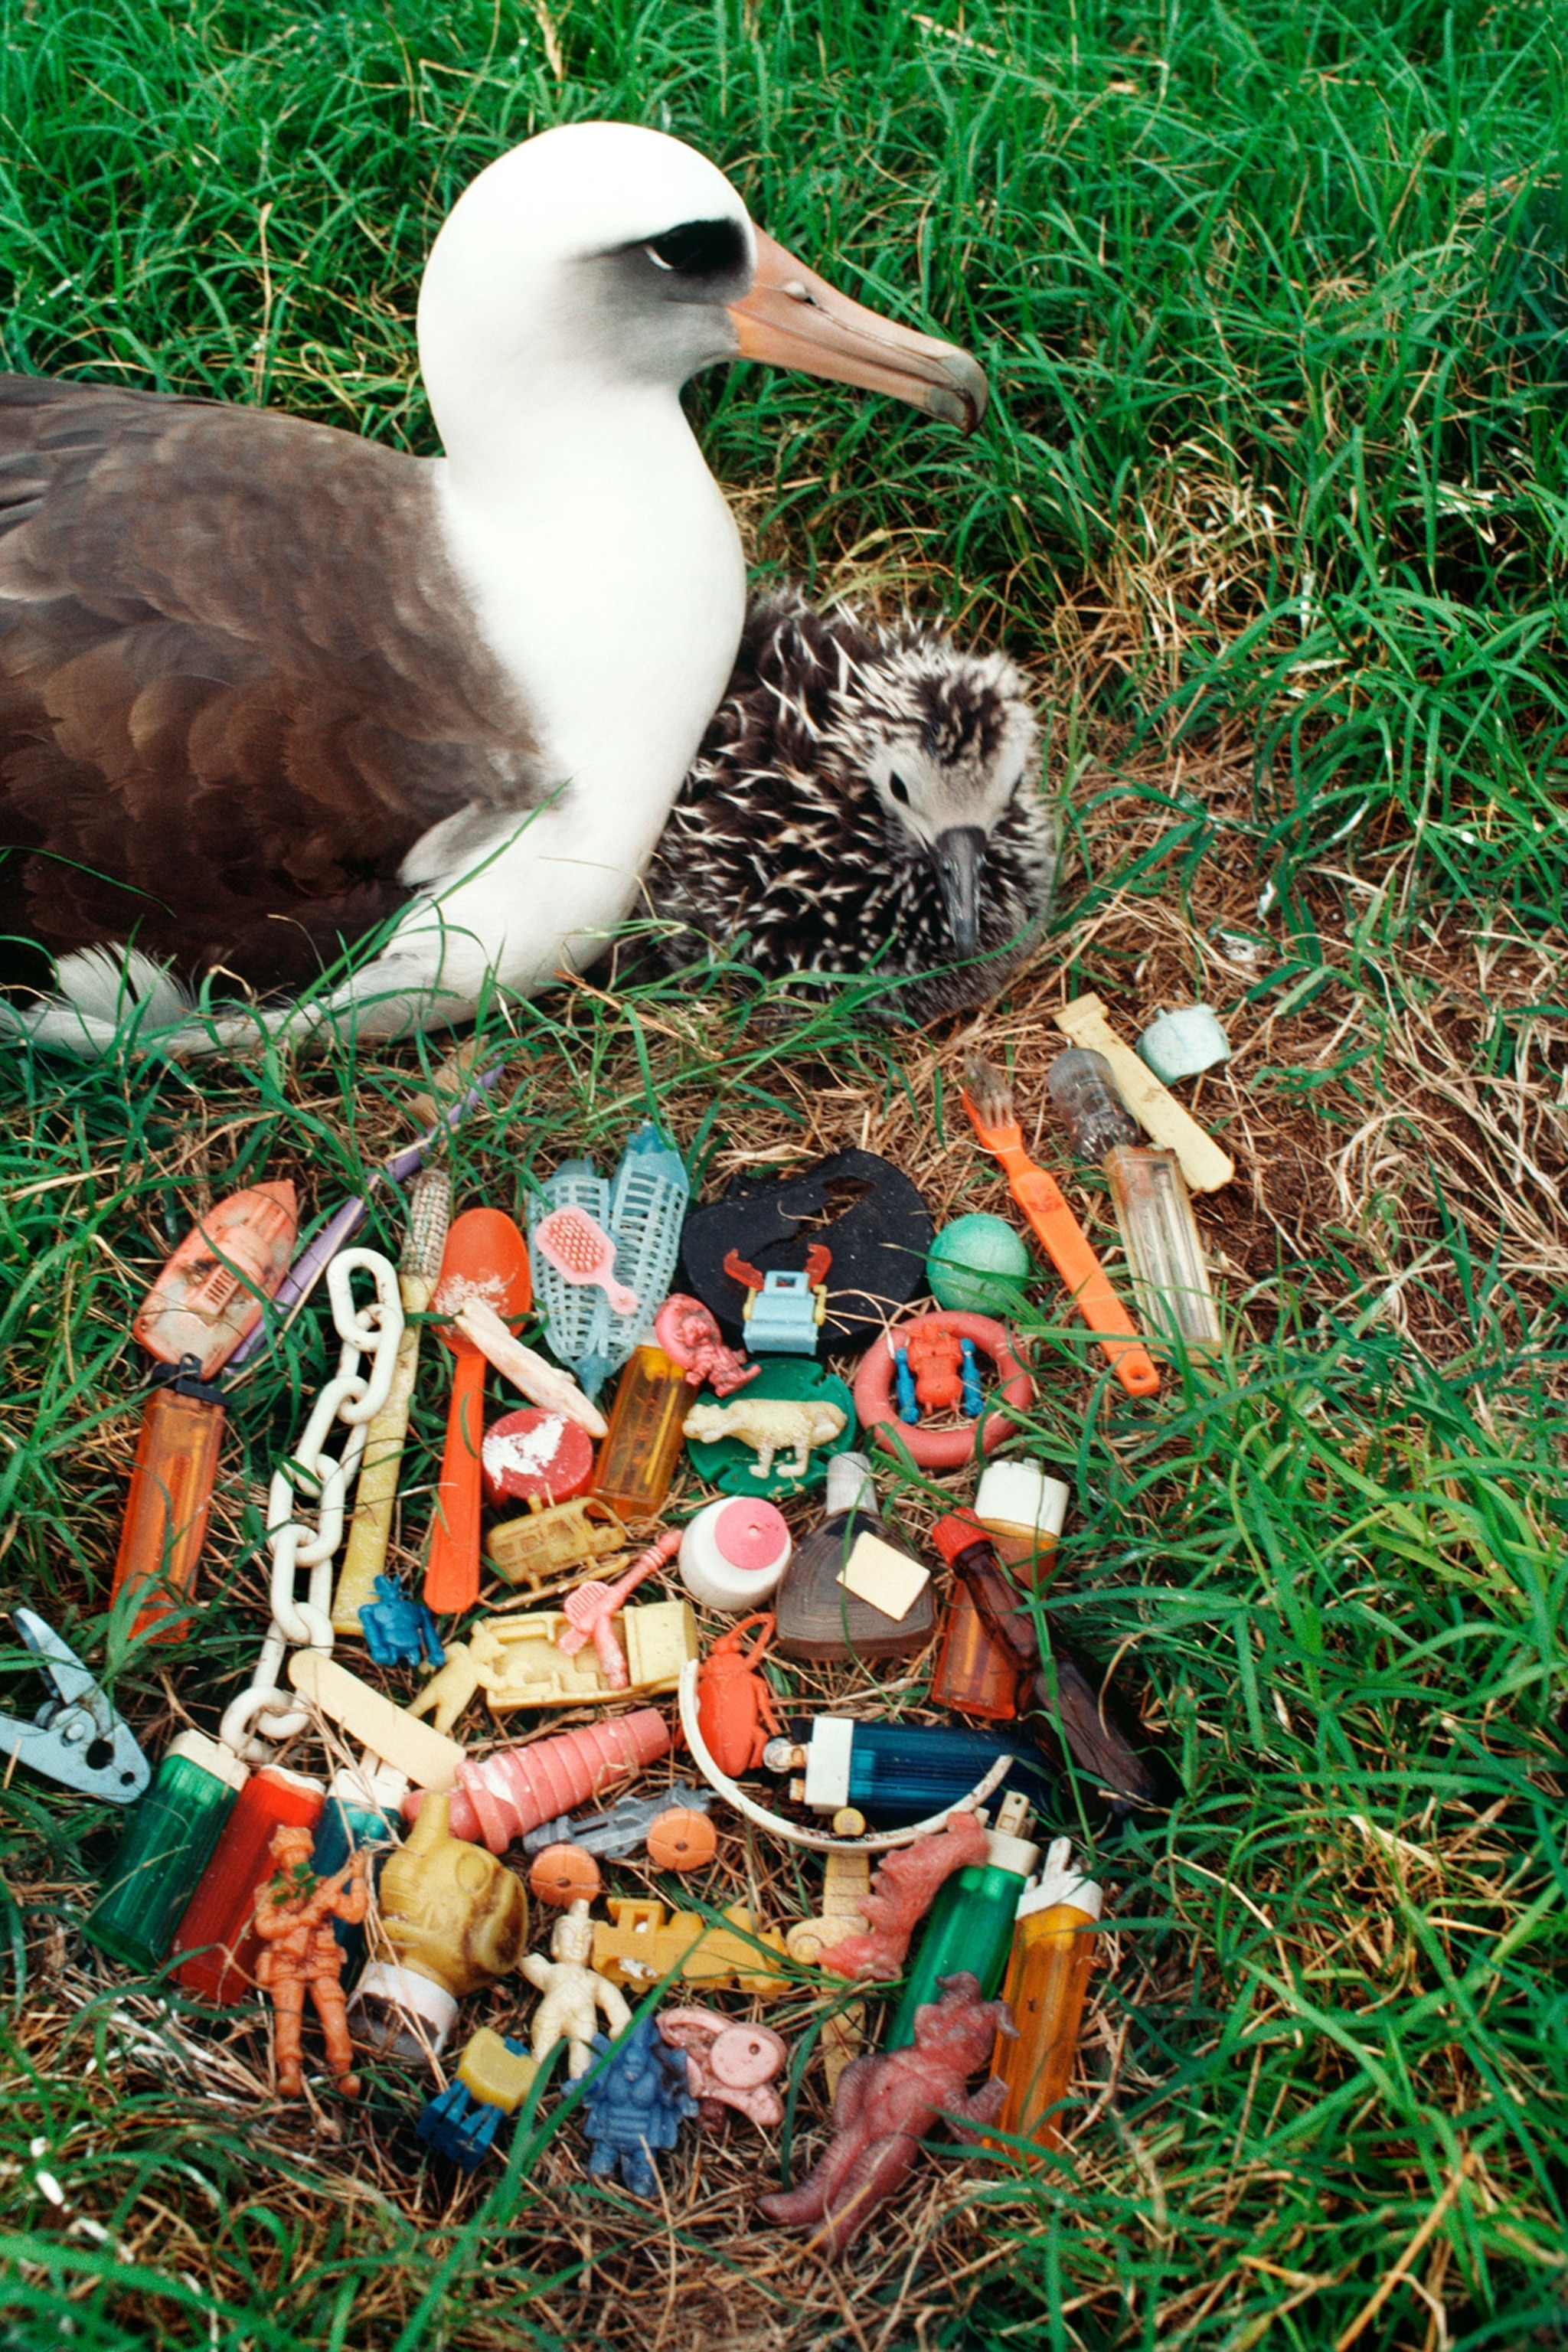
(582, 1251)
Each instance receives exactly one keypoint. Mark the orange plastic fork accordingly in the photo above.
(1069, 1247)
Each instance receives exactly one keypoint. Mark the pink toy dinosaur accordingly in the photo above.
(689, 1336)
(589, 1609)
(902, 1893)
(728, 2064)
(886, 2105)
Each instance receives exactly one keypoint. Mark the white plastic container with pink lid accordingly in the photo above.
(733, 1554)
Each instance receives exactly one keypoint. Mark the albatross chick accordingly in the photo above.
(863, 801)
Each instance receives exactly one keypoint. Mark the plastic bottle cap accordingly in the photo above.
(1017, 1855)
(850, 1485)
(1183, 1042)
(1059, 1883)
(751, 1534)
(958, 1533)
(221, 1763)
(1019, 1494)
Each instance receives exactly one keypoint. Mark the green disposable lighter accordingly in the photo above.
(971, 1922)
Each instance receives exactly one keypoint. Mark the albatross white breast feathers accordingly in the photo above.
(268, 690)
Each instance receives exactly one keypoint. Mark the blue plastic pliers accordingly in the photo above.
(77, 1738)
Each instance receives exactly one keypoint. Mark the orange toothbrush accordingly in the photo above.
(988, 1100)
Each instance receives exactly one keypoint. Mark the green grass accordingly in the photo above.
(1273, 500)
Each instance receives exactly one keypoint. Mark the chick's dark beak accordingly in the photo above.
(959, 856)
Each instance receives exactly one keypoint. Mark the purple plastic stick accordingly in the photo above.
(342, 1226)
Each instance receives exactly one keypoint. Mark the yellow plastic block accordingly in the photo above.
(1157, 1109)
(886, 1579)
(516, 1662)
(641, 1946)
(488, 2070)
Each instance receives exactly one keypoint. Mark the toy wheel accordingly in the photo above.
(940, 1449)
(744, 2055)
(680, 1840)
(563, 1874)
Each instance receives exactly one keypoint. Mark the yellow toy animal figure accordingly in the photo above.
(573, 1993)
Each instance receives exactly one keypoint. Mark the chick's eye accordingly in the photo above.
(899, 790)
(704, 248)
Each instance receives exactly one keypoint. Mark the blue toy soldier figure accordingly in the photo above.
(635, 2105)
(399, 1632)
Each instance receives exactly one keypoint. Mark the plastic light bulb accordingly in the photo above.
(1085, 1098)
(167, 1843)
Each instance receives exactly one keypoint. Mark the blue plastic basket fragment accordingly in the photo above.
(642, 1208)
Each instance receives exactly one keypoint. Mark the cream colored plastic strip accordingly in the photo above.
(397, 1737)
(1157, 1111)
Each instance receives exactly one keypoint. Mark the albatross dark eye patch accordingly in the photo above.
(704, 248)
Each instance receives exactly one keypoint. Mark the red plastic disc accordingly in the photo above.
(536, 1456)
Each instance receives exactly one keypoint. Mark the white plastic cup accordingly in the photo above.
(733, 1554)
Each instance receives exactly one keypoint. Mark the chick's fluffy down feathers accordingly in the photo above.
(781, 853)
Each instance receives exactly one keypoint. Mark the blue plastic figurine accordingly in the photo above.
(973, 1399)
(909, 1403)
(399, 1632)
(461, 2128)
(635, 2105)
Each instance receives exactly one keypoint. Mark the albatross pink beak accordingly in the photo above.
(795, 319)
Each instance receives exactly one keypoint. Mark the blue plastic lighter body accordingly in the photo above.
(899, 1772)
(349, 1822)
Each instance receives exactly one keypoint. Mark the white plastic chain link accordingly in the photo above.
(265, 1711)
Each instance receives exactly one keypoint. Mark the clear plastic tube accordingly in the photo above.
(1164, 1249)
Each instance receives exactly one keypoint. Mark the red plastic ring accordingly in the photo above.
(938, 1449)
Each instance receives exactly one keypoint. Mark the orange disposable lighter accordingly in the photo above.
(208, 1296)
(988, 1100)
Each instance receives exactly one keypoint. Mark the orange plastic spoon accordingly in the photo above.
(485, 1257)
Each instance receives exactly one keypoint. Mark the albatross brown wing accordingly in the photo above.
(238, 680)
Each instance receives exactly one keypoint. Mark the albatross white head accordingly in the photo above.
(577, 285)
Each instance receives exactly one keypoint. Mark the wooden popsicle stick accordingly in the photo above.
(399, 1738)
(1157, 1109)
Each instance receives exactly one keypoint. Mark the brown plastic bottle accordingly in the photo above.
(816, 1618)
(1021, 1511)
(976, 1673)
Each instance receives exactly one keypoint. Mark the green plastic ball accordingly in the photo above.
(977, 1266)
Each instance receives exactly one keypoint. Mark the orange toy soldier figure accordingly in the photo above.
(294, 1920)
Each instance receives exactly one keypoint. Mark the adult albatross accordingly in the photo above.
(268, 690)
